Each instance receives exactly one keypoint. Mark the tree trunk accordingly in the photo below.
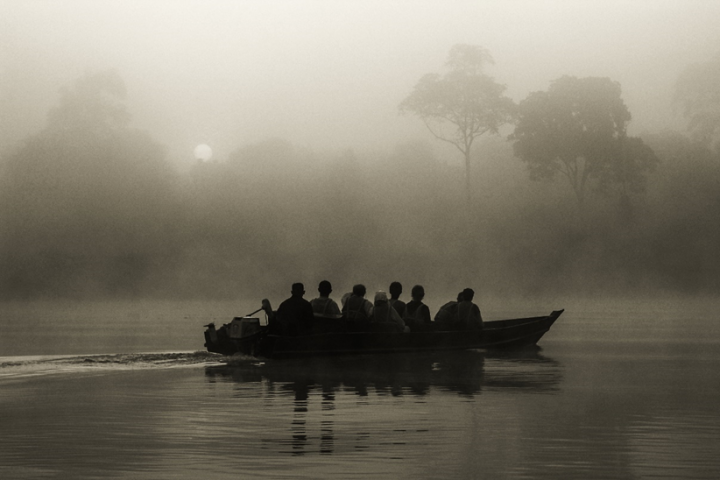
(580, 195)
(468, 196)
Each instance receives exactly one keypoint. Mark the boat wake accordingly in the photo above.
(26, 366)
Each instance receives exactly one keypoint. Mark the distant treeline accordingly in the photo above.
(101, 213)
(91, 207)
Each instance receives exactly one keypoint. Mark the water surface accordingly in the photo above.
(613, 393)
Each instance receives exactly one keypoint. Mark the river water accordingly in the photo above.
(617, 390)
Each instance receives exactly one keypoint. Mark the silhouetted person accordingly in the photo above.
(356, 309)
(324, 306)
(447, 315)
(468, 314)
(417, 314)
(385, 316)
(395, 292)
(295, 315)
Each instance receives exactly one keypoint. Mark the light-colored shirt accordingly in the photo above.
(383, 312)
(325, 307)
(357, 307)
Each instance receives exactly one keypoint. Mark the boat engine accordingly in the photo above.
(242, 327)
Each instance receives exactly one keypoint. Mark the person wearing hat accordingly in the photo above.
(295, 314)
(324, 306)
(386, 316)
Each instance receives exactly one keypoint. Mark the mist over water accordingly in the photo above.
(273, 214)
(168, 164)
(310, 173)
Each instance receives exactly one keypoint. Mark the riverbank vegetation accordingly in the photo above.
(93, 208)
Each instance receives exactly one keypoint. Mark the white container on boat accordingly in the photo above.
(244, 327)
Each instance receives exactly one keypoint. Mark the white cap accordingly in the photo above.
(381, 297)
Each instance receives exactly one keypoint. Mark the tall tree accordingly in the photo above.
(578, 129)
(697, 95)
(87, 198)
(463, 104)
(93, 103)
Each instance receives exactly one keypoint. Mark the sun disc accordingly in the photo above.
(203, 152)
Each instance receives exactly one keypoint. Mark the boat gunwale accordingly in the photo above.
(316, 344)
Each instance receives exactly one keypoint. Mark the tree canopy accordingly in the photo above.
(87, 197)
(463, 104)
(94, 103)
(697, 95)
(578, 129)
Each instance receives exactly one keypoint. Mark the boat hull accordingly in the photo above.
(498, 334)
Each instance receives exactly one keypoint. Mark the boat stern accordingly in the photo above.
(241, 335)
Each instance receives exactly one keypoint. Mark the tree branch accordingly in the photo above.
(439, 137)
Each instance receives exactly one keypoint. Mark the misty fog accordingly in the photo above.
(314, 174)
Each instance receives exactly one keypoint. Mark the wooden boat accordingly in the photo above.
(247, 336)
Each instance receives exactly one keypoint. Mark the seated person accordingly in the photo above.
(395, 292)
(324, 306)
(468, 314)
(417, 314)
(295, 315)
(271, 318)
(446, 317)
(385, 316)
(356, 309)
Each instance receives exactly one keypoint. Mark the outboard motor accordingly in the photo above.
(242, 327)
(244, 332)
(211, 337)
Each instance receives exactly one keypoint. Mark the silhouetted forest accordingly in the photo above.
(93, 208)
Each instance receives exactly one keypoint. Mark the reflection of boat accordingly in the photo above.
(247, 336)
(465, 372)
(369, 403)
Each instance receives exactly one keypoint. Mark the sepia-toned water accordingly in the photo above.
(616, 390)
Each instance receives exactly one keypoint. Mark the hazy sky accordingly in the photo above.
(330, 74)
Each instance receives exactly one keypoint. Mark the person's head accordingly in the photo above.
(395, 289)
(418, 292)
(380, 297)
(324, 288)
(460, 297)
(468, 294)
(359, 290)
(298, 290)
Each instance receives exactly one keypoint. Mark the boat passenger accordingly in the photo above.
(468, 314)
(445, 317)
(385, 316)
(295, 315)
(273, 324)
(417, 314)
(395, 292)
(356, 309)
(324, 306)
